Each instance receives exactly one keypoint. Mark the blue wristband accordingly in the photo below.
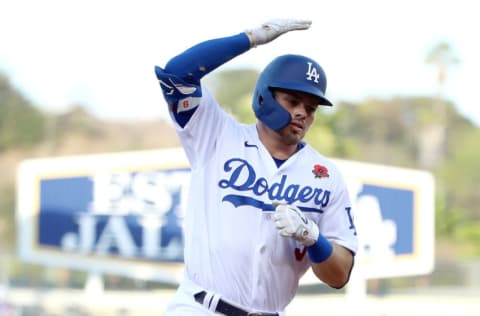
(321, 250)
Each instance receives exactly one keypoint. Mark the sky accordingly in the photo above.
(102, 53)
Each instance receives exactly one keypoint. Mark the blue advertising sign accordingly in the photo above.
(397, 207)
(115, 213)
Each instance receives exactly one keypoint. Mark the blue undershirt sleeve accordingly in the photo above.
(204, 57)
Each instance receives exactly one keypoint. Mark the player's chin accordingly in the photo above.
(293, 138)
(292, 135)
(297, 132)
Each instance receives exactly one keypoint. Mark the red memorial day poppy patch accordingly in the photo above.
(320, 171)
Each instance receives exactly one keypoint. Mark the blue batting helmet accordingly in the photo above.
(292, 72)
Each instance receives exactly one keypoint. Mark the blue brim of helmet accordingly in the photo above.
(303, 88)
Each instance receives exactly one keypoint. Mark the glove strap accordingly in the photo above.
(321, 250)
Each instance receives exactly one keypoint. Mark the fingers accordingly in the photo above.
(302, 24)
(283, 221)
(272, 29)
(282, 229)
(290, 221)
(280, 221)
(285, 25)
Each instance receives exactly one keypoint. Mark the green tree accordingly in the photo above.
(234, 91)
(20, 123)
(7, 217)
(442, 56)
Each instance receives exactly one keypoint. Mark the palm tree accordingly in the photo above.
(433, 137)
(442, 57)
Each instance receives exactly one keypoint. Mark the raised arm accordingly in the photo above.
(180, 79)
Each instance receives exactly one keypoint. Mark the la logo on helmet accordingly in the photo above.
(312, 73)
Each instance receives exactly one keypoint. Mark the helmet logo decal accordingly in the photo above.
(312, 73)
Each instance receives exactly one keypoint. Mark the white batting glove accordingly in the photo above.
(272, 29)
(291, 222)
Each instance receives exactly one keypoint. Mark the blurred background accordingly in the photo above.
(77, 78)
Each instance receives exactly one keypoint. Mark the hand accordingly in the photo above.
(272, 29)
(291, 222)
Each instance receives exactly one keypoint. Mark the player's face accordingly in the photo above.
(302, 108)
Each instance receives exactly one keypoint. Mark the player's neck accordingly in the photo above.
(274, 143)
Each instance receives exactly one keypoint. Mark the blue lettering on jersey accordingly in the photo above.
(350, 219)
(244, 179)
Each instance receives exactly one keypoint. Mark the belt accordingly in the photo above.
(228, 309)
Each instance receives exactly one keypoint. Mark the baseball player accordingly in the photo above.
(264, 206)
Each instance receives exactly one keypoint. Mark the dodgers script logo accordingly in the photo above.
(241, 176)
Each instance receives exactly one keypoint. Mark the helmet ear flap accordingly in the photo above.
(269, 111)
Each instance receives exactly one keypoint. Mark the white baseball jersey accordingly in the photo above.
(232, 246)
